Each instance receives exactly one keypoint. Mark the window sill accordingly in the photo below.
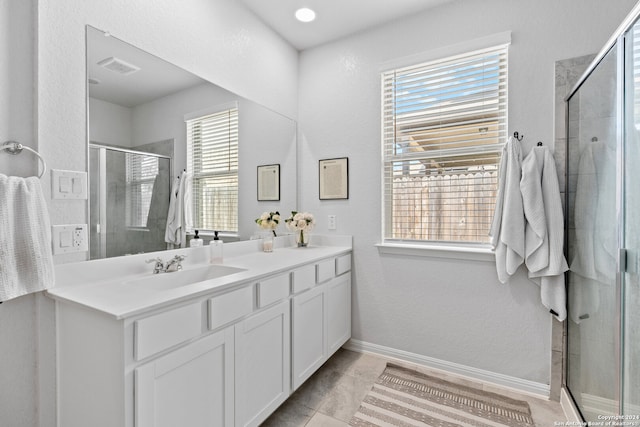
(460, 252)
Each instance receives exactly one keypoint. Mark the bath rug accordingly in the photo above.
(403, 397)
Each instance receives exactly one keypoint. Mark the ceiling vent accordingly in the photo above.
(118, 66)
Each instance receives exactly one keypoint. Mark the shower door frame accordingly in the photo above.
(102, 215)
(617, 42)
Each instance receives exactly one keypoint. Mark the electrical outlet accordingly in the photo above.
(331, 222)
(69, 238)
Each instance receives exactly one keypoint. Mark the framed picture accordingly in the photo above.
(334, 179)
(268, 182)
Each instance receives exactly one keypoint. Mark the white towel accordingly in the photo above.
(172, 225)
(186, 187)
(507, 228)
(26, 261)
(179, 218)
(544, 229)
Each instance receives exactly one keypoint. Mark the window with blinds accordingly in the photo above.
(141, 173)
(212, 158)
(444, 124)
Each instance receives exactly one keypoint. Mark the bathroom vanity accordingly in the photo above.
(209, 345)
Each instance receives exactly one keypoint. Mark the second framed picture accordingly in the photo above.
(334, 178)
(268, 182)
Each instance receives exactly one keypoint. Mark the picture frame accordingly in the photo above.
(334, 178)
(268, 183)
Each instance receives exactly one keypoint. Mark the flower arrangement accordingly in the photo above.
(269, 221)
(301, 222)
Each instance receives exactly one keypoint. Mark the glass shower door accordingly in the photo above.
(129, 200)
(631, 277)
(593, 296)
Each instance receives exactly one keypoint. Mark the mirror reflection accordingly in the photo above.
(157, 133)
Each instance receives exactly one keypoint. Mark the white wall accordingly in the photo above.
(241, 54)
(448, 309)
(18, 318)
(110, 123)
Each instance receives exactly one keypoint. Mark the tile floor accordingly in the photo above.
(333, 394)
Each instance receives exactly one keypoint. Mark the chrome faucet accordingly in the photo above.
(174, 264)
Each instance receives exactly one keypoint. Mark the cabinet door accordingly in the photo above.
(192, 386)
(339, 312)
(309, 333)
(262, 364)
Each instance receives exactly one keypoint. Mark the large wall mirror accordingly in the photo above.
(139, 106)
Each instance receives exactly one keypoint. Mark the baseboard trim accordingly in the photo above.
(521, 385)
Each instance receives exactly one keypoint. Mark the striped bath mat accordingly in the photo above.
(403, 397)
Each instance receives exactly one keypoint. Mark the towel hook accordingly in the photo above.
(14, 147)
(517, 136)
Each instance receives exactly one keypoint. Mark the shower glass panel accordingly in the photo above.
(631, 277)
(129, 201)
(593, 303)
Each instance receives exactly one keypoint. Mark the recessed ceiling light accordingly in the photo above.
(305, 15)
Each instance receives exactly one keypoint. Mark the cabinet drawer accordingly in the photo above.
(230, 306)
(343, 264)
(326, 270)
(164, 330)
(273, 289)
(303, 278)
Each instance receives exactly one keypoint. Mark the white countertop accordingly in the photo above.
(101, 284)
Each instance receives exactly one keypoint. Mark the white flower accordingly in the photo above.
(264, 216)
(302, 224)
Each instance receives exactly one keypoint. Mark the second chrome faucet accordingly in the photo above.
(173, 265)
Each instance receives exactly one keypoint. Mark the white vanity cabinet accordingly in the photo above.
(309, 331)
(263, 369)
(321, 316)
(227, 357)
(192, 386)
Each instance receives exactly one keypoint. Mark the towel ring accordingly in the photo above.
(14, 147)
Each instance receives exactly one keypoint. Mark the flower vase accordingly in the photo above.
(267, 242)
(302, 238)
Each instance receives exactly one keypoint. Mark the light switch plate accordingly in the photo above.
(68, 184)
(331, 222)
(69, 238)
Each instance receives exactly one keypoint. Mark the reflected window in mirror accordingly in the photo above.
(141, 173)
(212, 159)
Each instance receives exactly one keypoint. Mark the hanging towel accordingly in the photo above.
(544, 228)
(507, 228)
(172, 223)
(179, 218)
(26, 262)
(185, 200)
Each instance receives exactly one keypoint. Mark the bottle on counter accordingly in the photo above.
(215, 248)
(196, 241)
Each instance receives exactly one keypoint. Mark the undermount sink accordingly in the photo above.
(163, 281)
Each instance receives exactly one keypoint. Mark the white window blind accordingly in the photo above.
(141, 172)
(212, 158)
(444, 124)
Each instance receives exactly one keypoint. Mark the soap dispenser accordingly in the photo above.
(196, 241)
(216, 249)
